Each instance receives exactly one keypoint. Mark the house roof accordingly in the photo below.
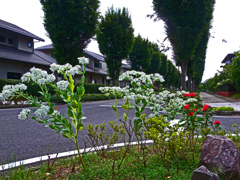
(37, 57)
(127, 66)
(95, 71)
(90, 54)
(49, 46)
(228, 57)
(11, 27)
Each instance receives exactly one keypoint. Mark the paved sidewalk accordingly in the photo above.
(218, 101)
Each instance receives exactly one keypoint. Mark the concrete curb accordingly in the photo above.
(227, 113)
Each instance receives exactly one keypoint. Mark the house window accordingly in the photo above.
(2, 39)
(10, 41)
(12, 75)
(97, 65)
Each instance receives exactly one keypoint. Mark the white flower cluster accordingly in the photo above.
(74, 70)
(42, 111)
(83, 60)
(189, 100)
(24, 114)
(55, 113)
(9, 90)
(140, 77)
(114, 90)
(14, 88)
(67, 69)
(62, 85)
(60, 68)
(38, 75)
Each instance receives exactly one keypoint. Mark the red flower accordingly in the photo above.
(217, 122)
(185, 95)
(191, 114)
(192, 95)
(205, 107)
(195, 109)
(186, 106)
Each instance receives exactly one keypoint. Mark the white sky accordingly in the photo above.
(28, 15)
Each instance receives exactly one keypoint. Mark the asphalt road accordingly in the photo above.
(23, 139)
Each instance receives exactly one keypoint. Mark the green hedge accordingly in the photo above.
(224, 109)
(92, 88)
(85, 97)
(32, 89)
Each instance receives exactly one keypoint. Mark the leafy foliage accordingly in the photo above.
(184, 24)
(70, 25)
(141, 55)
(224, 109)
(115, 39)
(234, 70)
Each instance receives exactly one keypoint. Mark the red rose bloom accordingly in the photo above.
(186, 106)
(192, 95)
(195, 109)
(205, 107)
(191, 114)
(217, 122)
(185, 95)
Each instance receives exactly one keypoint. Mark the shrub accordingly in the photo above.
(85, 97)
(33, 89)
(237, 96)
(92, 88)
(224, 109)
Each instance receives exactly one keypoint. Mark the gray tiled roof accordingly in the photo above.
(37, 57)
(49, 46)
(95, 71)
(90, 54)
(16, 29)
(228, 57)
(94, 55)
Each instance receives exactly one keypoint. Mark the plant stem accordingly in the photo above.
(79, 154)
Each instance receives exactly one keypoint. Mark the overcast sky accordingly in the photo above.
(28, 15)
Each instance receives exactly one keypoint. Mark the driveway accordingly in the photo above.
(218, 101)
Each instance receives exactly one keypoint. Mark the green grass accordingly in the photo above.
(97, 168)
(236, 96)
(223, 108)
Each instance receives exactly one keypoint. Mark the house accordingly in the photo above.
(17, 54)
(96, 70)
(228, 58)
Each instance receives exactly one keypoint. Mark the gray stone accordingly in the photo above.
(202, 173)
(219, 154)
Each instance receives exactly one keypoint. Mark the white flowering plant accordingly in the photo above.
(47, 113)
(142, 94)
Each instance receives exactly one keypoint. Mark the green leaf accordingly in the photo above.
(69, 111)
(80, 126)
(83, 79)
(74, 104)
(65, 135)
(81, 90)
(137, 114)
(125, 117)
(79, 110)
